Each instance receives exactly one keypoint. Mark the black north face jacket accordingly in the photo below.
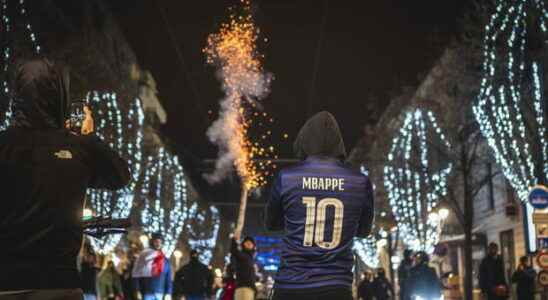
(44, 173)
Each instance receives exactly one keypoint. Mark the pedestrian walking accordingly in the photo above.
(88, 275)
(152, 272)
(404, 273)
(365, 288)
(383, 289)
(525, 277)
(491, 275)
(424, 281)
(229, 283)
(194, 280)
(126, 276)
(109, 284)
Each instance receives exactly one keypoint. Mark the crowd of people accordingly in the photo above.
(147, 274)
(416, 279)
(492, 279)
(102, 279)
(133, 274)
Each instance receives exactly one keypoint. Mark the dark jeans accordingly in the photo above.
(314, 294)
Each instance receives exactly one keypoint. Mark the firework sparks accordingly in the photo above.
(233, 50)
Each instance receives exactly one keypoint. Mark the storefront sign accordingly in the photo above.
(540, 218)
(543, 278)
(542, 243)
(538, 197)
(542, 259)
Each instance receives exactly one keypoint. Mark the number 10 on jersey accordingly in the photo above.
(315, 218)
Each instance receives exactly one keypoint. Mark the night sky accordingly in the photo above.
(368, 49)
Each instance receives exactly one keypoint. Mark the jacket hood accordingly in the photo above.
(320, 136)
(41, 95)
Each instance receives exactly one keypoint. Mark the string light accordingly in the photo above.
(367, 251)
(7, 51)
(415, 180)
(122, 129)
(164, 195)
(366, 248)
(511, 108)
(28, 26)
(202, 230)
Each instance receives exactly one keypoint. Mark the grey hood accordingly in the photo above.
(320, 136)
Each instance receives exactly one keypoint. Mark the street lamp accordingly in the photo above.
(443, 213)
(434, 217)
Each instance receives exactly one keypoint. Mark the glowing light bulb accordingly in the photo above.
(444, 213)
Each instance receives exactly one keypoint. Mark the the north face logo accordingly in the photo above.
(63, 154)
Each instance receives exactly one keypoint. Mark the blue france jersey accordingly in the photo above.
(322, 205)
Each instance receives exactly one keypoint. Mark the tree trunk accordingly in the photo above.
(468, 252)
(468, 224)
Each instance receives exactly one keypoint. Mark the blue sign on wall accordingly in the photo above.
(538, 197)
(268, 252)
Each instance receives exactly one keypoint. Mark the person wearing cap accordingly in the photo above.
(152, 272)
(194, 280)
(244, 263)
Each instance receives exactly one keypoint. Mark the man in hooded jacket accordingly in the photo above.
(45, 172)
(322, 205)
(194, 280)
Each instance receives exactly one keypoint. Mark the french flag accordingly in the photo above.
(149, 264)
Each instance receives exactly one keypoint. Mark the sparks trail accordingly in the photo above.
(233, 51)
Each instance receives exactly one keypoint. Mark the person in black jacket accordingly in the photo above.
(366, 289)
(423, 280)
(525, 277)
(491, 275)
(194, 280)
(45, 170)
(88, 274)
(382, 288)
(404, 271)
(244, 264)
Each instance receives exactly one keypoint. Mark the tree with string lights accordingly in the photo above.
(367, 250)
(122, 129)
(9, 28)
(201, 229)
(163, 192)
(511, 108)
(415, 179)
